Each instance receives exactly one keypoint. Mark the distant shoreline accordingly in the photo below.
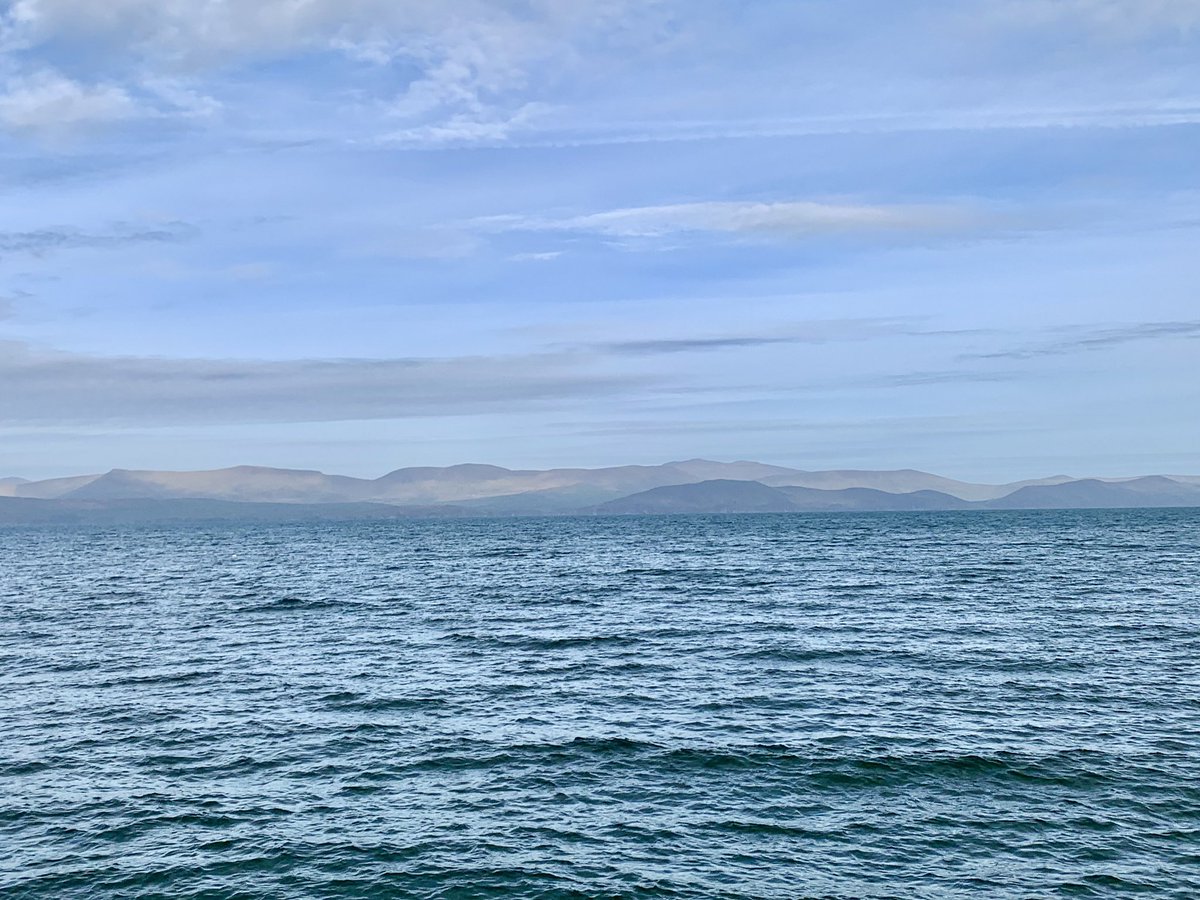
(23, 512)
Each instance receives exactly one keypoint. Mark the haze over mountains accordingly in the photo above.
(690, 486)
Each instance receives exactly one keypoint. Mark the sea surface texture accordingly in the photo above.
(888, 705)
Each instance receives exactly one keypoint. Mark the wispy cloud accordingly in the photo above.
(927, 378)
(686, 345)
(537, 256)
(784, 219)
(43, 387)
(477, 72)
(471, 57)
(479, 126)
(44, 241)
(815, 332)
(548, 133)
(1097, 339)
(11, 300)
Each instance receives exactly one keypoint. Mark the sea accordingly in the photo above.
(900, 705)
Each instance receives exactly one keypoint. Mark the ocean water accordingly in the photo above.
(782, 706)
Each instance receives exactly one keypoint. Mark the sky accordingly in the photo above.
(354, 235)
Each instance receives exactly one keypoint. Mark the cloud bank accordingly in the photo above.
(44, 387)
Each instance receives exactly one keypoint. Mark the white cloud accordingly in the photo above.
(484, 41)
(481, 126)
(785, 219)
(47, 103)
(180, 98)
(469, 55)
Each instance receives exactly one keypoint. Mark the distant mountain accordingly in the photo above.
(867, 499)
(556, 501)
(242, 483)
(716, 496)
(726, 496)
(475, 482)
(414, 485)
(51, 488)
(1091, 493)
(742, 470)
(686, 485)
(901, 481)
(1185, 479)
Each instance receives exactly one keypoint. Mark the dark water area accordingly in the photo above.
(774, 706)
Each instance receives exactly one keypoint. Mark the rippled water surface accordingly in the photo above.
(894, 705)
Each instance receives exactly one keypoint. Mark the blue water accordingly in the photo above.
(890, 705)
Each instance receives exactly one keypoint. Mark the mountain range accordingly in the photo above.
(689, 486)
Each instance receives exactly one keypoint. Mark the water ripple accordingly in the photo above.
(895, 705)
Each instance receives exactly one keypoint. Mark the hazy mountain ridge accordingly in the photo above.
(726, 496)
(242, 483)
(681, 486)
(47, 489)
(903, 481)
(1089, 493)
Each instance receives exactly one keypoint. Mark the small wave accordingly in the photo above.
(298, 604)
(536, 642)
(165, 678)
(358, 703)
(855, 770)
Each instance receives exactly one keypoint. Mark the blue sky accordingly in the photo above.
(360, 234)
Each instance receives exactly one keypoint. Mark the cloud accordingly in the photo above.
(817, 332)
(48, 103)
(791, 219)
(50, 387)
(479, 126)
(687, 345)
(950, 377)
(1146, 114)
(466, 56)
(48, 240)
(212, 33)
(10, 301)
(1098, 339)
(469, 72)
